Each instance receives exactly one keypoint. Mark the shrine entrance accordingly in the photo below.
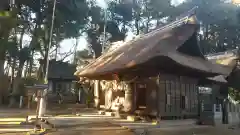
(141, 93)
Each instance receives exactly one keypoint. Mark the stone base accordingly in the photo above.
(133, 118)
(101, 112)
(109, 113)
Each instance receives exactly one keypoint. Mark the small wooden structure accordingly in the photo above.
(61, 80)
(33, 94)
(61, 76)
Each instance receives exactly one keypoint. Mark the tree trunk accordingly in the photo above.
(13, 73)
(44, 67)
(6, 70)
(158, 23)
(137, 27)
(16, 83)
(205, 38)
(26, 69)
(137, 17)
(56, 52)
(1, 79)
(97, 48)
(40, 72)
(30, 65)
(147, 23)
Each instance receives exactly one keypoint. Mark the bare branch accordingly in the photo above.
(71, 52)
(67, 55)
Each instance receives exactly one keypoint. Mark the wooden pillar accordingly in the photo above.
(29, 102)
(30, 93)
(108, 99)
(157, 99)
(97, 94)
(225, 102)
(225, 110)
(128, 105)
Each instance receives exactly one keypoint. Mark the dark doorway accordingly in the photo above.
(141, 90)
(102, 97)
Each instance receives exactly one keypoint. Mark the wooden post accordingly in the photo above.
(128, 105)
(30, 92)
(157, 99)
(21, 102)
(29, 102)
(225, 111)
(42, 103)
(97, 94)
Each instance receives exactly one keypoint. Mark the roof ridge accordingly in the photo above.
(177, 22)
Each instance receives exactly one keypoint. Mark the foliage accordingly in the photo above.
(235, 94)
(219, 31)
(83, 57)
(218, 20)
(123, 17)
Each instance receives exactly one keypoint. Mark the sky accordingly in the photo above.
(67, 45)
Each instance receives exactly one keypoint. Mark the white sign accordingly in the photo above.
(205, 90)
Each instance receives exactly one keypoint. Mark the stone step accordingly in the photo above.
(133, 118)
(110, 113)
(101, 112)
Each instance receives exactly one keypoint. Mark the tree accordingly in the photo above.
(235, 94)
(6, 25)
(218, 22)
(33, 18)
(122, 17)
(82, 58)
(65, 26)
(110, 20)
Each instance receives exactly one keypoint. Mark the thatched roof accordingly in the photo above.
(172, 48)
(225, 58)
(230, 59)
(61, 70)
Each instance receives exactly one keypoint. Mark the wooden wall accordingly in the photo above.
(168, 96)
(177, 96)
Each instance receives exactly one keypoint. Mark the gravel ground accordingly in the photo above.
(204, 131)
(104, 126)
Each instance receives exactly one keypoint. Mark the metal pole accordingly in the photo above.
(104, 30)
(41, 103)
(50, 43)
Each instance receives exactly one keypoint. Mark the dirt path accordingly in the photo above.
(90, 123)
(205, 131)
